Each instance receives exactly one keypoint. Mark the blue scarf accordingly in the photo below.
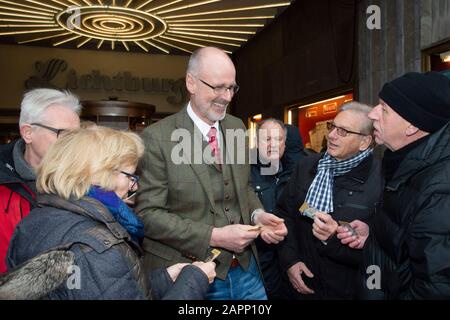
(320, 193)
(120, 211)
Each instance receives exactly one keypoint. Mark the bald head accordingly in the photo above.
(208, 58)
(211, 82)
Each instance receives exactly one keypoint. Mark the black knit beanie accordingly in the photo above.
(421, 99)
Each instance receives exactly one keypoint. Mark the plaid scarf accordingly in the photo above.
(320, 193)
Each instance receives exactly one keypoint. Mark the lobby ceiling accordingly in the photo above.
(153, 26)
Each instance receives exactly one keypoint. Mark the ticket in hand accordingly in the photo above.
(214, 254)
(306, 211)
(254, 228)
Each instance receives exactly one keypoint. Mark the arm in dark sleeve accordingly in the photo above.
(160, 282)
(191, 284)
(429, 251)
(287, 206)
(340, 253)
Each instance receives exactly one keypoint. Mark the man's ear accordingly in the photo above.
(366, 142)
(190, 83)
(26, 132)
(411, 130)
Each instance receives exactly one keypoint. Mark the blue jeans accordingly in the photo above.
(239, 285)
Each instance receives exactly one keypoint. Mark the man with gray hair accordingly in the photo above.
(44, 115)
(327, 190)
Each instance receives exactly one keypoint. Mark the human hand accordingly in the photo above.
(175, 270)
(349, 238)
(273, 229)
(234, 237)
(295, 277)
(324, 226)
(209, 268)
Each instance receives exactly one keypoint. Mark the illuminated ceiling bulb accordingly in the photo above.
(183, 41)
(140, 45)
(75, 3)
(144, 4)
(215, 30)
(225, 19)
(188, 6)
(215, 25)
(66, 40)
(24, 16)
(83, 42)
(172, 45)
(61, 3)
(209, 36)
(100, 44)
(49, 15)
(156, 46)
(44, 38)
(28, 31)
(26, 25)
(44, 4)
(125, 44)
(25, 6)
(164, 5)
(206, 40)
(266, 6)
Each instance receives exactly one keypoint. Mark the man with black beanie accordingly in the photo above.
(407, 249)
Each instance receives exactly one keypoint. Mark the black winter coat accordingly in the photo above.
(410, 237)
(335, 266)
(269, 189)
(109, 262)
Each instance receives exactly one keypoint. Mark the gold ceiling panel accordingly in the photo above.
(156, 26)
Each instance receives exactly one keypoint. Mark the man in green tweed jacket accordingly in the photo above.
(194, 193)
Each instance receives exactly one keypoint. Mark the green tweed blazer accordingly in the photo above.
(176, 201)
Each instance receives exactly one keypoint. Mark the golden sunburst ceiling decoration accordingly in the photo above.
(160, 26)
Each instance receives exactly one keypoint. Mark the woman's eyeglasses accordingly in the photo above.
(134, 179)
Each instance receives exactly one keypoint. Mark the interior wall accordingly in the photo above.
(307, 51)
(407, 27)
(18, 65)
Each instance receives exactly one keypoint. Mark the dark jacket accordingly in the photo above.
(269, 189)
(109, 262)
(294, 151)
(335, 266)
(410, 237)
(16, 199)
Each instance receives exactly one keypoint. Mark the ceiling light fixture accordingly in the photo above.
(162, 25)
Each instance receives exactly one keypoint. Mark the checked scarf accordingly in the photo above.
(320, 193)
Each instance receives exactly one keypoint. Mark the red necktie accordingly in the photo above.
(214, 144)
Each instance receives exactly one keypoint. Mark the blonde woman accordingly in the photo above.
(82, 183)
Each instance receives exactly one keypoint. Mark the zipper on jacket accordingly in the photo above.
(9, 201)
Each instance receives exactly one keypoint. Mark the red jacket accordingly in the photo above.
(16, 200)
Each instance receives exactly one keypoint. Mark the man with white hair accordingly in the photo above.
(327, 190)
(44, 115)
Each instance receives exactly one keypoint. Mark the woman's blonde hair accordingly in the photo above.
(85, 157)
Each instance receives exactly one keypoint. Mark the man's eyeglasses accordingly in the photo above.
(341, 131)
(57, 131)
(219, 90)
(132, 177)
